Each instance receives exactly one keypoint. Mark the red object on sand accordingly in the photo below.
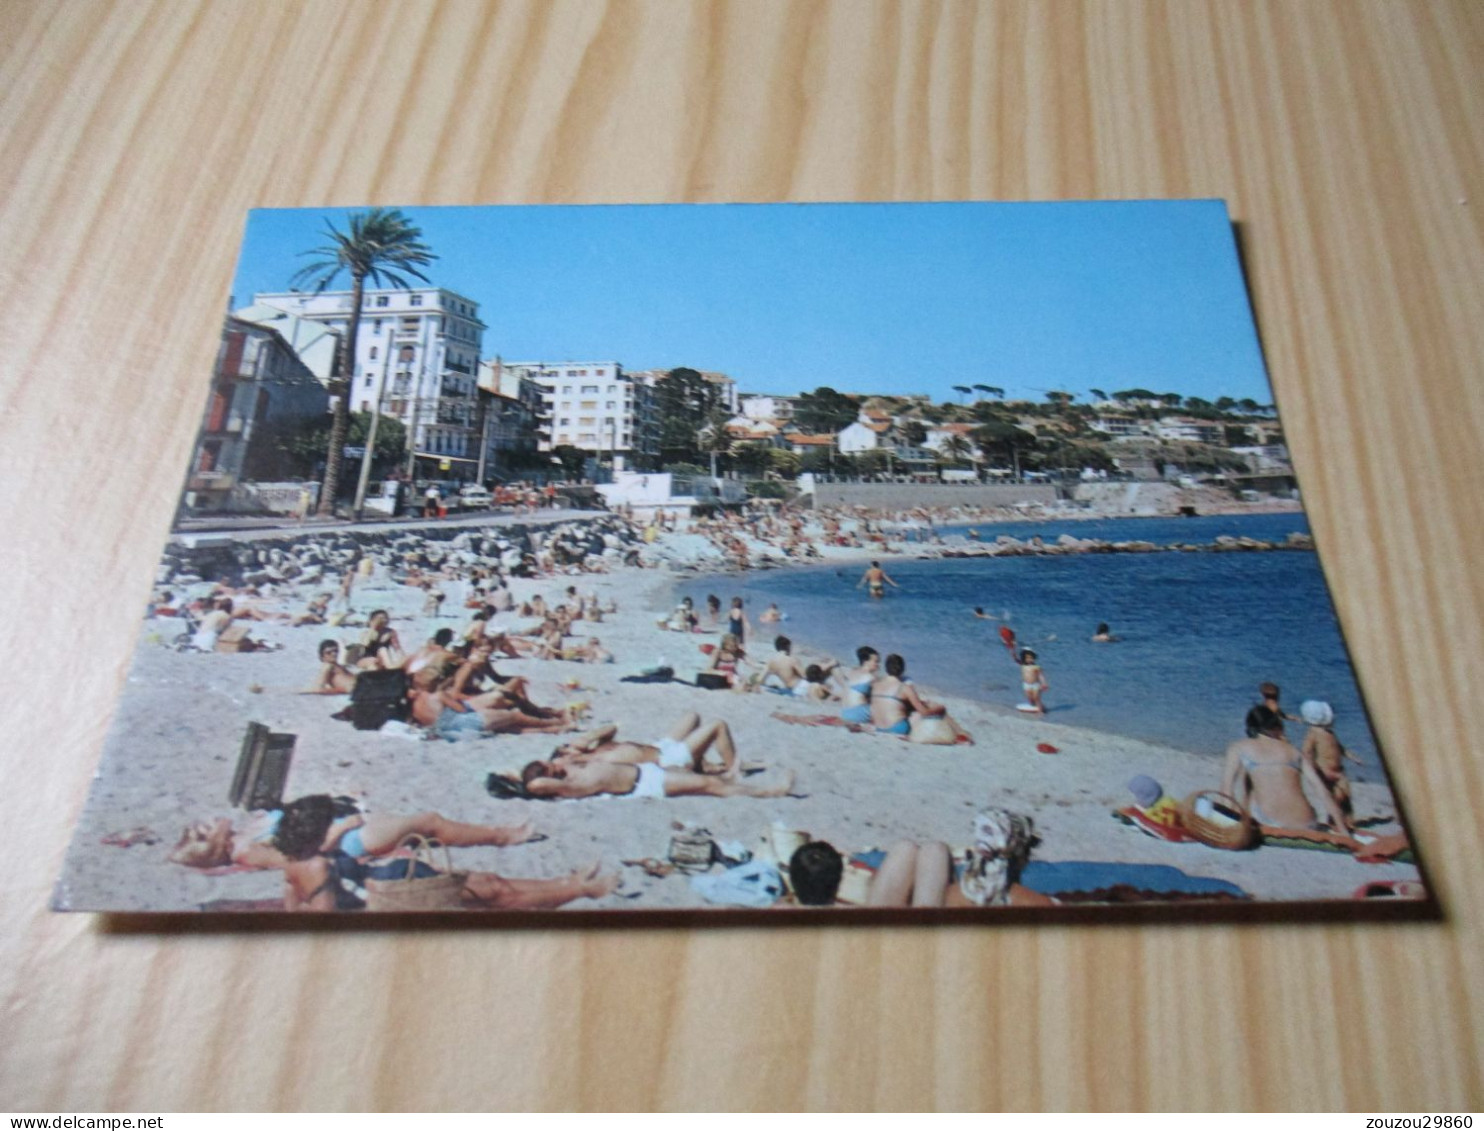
(1047, 748)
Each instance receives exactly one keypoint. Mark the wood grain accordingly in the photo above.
(1347, 136)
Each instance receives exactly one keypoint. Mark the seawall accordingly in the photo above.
(902, 496)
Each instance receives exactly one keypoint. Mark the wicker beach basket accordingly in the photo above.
(442, 891)
(1218, 820)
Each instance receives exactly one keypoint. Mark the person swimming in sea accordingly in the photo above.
(1104, 635)
(876, 580)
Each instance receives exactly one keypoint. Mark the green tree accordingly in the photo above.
(914, 433)
(1003, 439)
(824, 410)
(714, 440)
(785, 463)
(1098, 394)
(957, 449)
(963, 391)
(382, 245)
(572, 459)
(685, 401)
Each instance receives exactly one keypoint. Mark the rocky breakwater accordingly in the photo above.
(1007, 547)
(307, 556)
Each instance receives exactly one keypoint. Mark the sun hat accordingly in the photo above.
(1316, 713)
(1145, 789)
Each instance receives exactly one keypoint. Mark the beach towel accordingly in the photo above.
(1130, 815)
(1083, 881)
(1088, 881)
(819, 721)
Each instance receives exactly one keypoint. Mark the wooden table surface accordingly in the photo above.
(1348, 138)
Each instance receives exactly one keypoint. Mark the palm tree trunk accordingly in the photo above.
(342, 388)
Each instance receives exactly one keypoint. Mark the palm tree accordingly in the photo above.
(985, 389)
(962, 391)
(382, 245)
(957, 449)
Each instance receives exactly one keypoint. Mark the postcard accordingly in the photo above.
(905, 560)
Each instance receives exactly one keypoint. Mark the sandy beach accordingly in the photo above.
(179, 725)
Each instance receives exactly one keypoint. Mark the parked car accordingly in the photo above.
(475, 497)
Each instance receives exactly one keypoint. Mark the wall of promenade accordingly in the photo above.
(899, 496)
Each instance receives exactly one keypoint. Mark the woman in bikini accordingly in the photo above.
(326, 862)
(727, 658)
(254, 844)
(897, 709)
(858, 683)
(737, 621)
(1268, 774)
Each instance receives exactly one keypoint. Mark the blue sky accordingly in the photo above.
(905, 298)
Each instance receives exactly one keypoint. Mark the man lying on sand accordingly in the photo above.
(435, 706)
(334, 677)
(787, 672)
(676, 766)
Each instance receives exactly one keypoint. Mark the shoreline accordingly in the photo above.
(170, 754)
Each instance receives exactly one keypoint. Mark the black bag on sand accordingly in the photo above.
(713, 681)
(378, 697)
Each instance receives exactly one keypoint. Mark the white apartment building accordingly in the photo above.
(1190, 431)
(767, 407)
(597, 407)
(417, 354)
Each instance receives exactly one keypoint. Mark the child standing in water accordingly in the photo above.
(1032, 681)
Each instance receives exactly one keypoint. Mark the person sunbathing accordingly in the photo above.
(324, 865)
(728, 659)
(921, 874)
(316, 612)
(435, 654)
(334, 677)
(787, 672)
(858, 682)
(1268, 775)
(897, 709)
(676, 766)
(381, 647)
(685, 746)
(436, 707)
(253, 844)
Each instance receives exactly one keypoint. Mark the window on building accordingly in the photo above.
(368, 378)
(586, 421)
(587, 406)
(382, 300)
(373, 353)
(566, 390)
(608, 404)
(415, 300)
(376, 325)
(571, 373)
(589, 390)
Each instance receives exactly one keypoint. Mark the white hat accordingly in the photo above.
(1316, 713)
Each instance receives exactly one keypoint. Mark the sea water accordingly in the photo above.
(1197, 631)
